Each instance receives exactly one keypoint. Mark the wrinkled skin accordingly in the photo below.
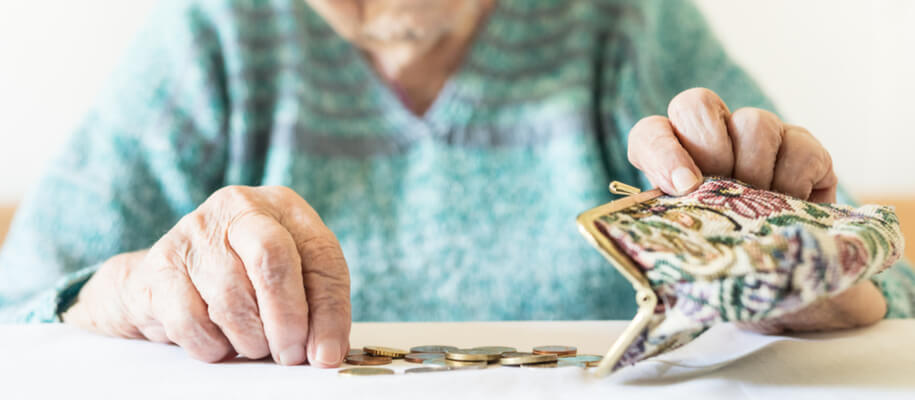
(701, 136)
(252, 271)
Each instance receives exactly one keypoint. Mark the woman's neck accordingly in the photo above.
(418, 71)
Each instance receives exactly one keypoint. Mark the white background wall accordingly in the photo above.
(845, 69)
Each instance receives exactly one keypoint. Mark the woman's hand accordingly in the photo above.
(252, 271)
(701, 136)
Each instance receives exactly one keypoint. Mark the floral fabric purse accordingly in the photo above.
(729, 252)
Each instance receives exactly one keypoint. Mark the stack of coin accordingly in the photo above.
(366, 359)
(419, 358)
(436, 358)
(385, 351)
(516, 359)
(559, 351)
(488, 355)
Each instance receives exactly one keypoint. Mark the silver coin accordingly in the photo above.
(586, 360)
(496, 349)
(571, 363)
(432, 348)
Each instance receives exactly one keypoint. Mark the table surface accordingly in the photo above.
(40, 361)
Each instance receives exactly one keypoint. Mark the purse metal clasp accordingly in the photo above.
(645, 297)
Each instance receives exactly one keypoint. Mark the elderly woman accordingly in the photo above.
(443, 147)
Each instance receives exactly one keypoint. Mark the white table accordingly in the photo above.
(57, 361)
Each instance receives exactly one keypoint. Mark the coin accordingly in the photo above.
(541, 365)
(365, 371)
(385, 351)
(420, 357)
(561, 351)
(587, 360)
(355, 352)
(474, 355)
(419, 370)
(452, 364)
(565, 362)
(515, 358)
(366, 359)
(497, 349)
(432, 348)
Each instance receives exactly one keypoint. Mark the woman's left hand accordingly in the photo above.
(701, 136)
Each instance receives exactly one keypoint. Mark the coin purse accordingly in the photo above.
(730, 253)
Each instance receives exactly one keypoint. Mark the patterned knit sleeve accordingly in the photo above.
(659, 48)
(148, 152)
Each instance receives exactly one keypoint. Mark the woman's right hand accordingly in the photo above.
(253, 271)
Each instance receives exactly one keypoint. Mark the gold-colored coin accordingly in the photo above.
(366, 359)
(497, 349)
(516, 359)
(420, 357)
(432, 348)
(385, 351)
(452, 364)
(586, 360)
(541, 365)
(560, 351)
(474, 355)
(419, 370)
(366, 371)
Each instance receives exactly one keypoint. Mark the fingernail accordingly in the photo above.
(329, 352)
(683, 180)
(292, 355)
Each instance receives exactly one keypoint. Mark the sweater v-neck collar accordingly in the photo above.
(441, 114)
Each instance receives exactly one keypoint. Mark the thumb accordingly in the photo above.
(655, 150)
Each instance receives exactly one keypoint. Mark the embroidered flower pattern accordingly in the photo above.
(729, 252)
(743, 200)
(852, 254)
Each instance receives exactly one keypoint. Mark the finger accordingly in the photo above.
(803, 168)
(860, 305)
(220, 278)
(154, 331)
(655, 150)
(176, 304)
(699, 118)
(326, 279)
(273, 266)
(756, 136)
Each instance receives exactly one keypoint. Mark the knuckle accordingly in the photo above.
(643, 131)
(333, 295)
(757, 126)
(232, 192)
(279, 191)
(232, 200)
(272, 263)
(239, 317)
(692, 97)
(646, 124)
(322, 248)
(747, 117)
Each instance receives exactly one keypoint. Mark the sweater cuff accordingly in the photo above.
(47, 306)
(898, 287)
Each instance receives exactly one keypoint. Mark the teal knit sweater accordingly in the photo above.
(466, 213)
